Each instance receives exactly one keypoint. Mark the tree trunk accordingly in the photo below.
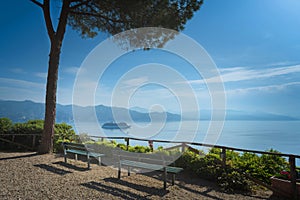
(46, 145)
(56, 38)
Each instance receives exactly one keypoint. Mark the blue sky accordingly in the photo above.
(254, 43)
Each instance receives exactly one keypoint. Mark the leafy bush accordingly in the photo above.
(122, 146)
(63, 133)
(5, 125)
(139, 149)
(260, 167)
(104, 147)
(173, 152)
(231, 180)
(230, 177)
(210, 167)
(84, 137)
(29, 127)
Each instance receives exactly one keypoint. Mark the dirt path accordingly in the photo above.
(31, 176)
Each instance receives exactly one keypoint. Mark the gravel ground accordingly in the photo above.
(31, 176)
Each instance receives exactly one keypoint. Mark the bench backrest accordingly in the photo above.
(75, 146)
(151, 158)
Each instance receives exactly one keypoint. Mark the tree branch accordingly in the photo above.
(61, 27)
(48, 21)
(37, 3)
(80, 4)
(99, 15)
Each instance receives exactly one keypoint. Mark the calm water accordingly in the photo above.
(283, 136)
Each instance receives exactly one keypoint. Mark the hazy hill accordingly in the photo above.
(20, 111)
(239, 115)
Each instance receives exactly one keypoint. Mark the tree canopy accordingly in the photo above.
(92, 16)
(89, 17)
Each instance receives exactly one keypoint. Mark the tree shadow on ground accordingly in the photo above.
(182, 179)
(115, 191)
(187, 180)
(53, 169)
(70, 166)
(22, 156)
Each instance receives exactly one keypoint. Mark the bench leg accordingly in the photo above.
(99, 161)
(165, 178)
(88, 160)
(128, 171)
(119, 171)
(173, 179)
(76, 157)
(65, 158)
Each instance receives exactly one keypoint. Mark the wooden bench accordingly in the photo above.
(81, 149)
(150, 162)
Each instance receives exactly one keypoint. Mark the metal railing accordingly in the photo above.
(186, 145)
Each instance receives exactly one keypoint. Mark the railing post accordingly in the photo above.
(293, 173)
(33, 141)
(183, 147)
(150, 143)
(127, 143)
(223, 156)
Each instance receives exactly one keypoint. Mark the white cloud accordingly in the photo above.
(71, 70)
(14, 89)
(242, 74)
(135, 82)
(41, 75)
(22, 71)
(231, 69)
(268, 88)
(20, 83)
(18, 71)
(19, 94)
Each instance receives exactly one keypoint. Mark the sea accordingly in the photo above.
(283, 136)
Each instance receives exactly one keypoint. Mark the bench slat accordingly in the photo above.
(137, 164)
(76, 151)
(68, 146)
(141, 165)
(174, 170)
(96, 155)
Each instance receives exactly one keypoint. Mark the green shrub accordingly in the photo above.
(230, 177)
(173, 152)
(210, 167)
(29, 127)
(136, 149)
(63, 133)
(105, 147)
(5, 125)
(122, 146)
(84, 137)
(230, 180)
(260, 167)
